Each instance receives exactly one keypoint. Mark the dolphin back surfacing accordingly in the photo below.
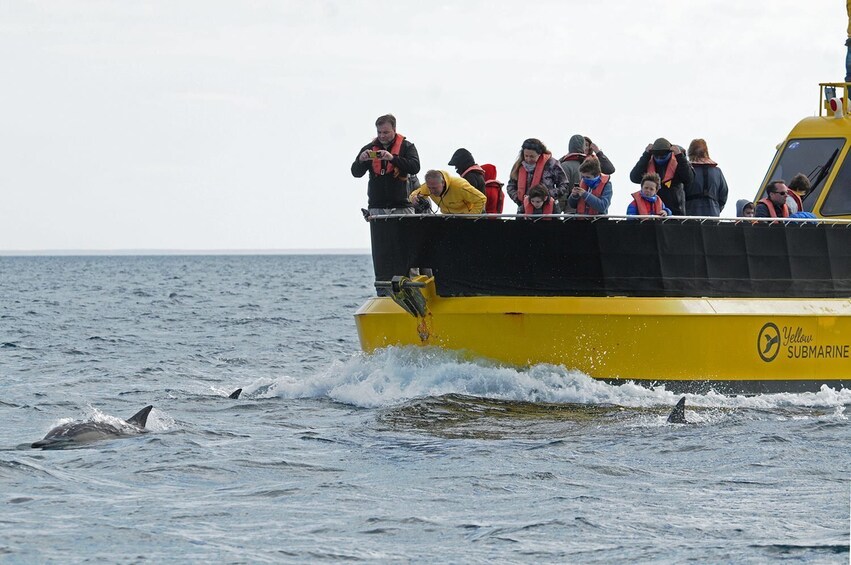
(678, 414)
(88, 431)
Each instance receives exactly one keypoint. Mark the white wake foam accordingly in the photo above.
(395, 375)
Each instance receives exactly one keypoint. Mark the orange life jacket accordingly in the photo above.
(573, 157)
(771, 209)
(536, 176)
(380, 167)
(645, 208)
(473, 168)
(495, 196)
(547, 208)
(796, 198)
(586, 209)
(669, 170)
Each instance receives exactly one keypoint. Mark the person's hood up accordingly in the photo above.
(462, 160)
(576, 144)
(490, 171)
(740, 206)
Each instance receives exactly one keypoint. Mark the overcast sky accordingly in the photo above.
(210, 125)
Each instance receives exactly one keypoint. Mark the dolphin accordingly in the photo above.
(235, 394)
(678, 414)
(84, 432)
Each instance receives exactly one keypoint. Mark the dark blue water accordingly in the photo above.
(405, 455)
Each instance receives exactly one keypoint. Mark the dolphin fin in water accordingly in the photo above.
(140, 418)
(88, 431)
(678, 414)
(235, 394)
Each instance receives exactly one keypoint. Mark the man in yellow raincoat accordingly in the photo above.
(453, 195)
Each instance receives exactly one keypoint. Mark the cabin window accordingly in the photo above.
(838, 201)
(813, 157)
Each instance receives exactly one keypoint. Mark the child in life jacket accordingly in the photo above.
(493, 190)
(538, 201)
(646, 202)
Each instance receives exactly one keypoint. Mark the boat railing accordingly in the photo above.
(582, 218)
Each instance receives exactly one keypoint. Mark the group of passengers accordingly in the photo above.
(672, 182)
(781, 200)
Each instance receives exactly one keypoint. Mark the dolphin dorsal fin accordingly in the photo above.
(140, 418)
(678, 414)
(235, 394)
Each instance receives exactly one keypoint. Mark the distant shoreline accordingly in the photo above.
(162, 252)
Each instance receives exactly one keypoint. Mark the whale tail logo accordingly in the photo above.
(770, 341)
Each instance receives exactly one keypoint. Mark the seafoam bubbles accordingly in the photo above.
(395, 375)
(158, 421)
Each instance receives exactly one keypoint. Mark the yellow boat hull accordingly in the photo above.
(760, 344)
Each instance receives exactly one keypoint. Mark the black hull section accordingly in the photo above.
(617, 257)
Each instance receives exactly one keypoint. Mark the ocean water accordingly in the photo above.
(406, 455)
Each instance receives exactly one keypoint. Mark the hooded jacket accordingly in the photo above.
(389, 190)
(740, 207)
(570, 163)
(459, 196)
(493, 190)
(463, 160)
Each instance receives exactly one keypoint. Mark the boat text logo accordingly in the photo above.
(768, 342)
(797, 343)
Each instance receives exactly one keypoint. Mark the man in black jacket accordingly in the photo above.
(467, 169)
(389, 159)
(774, 203)
(671, 164)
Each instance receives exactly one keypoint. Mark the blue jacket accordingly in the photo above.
(601, 203)
(631, 210)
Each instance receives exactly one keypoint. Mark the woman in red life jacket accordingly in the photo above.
(535, 165)
(594, 193)
(646, 202)
(493, 190)
(538, 201)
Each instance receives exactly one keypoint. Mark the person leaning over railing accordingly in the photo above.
(453, 195)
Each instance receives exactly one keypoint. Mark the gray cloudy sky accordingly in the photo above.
(205, 124)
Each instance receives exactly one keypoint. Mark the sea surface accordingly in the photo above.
(407, 455)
